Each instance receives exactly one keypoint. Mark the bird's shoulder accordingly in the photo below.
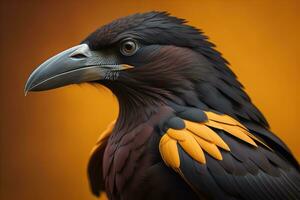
(218, 155)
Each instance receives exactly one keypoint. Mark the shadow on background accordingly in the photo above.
(46, 137)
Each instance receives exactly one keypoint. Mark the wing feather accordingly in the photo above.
(220, 158)
(95, 161)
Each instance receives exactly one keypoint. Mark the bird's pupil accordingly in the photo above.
(128, 47)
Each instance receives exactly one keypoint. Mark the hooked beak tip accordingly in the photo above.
(27, 87)
(26, 90)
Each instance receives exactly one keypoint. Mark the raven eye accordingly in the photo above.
(128, 48)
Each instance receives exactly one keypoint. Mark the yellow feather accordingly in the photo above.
(229, 125)
(177, 134)
(210, 148)
(191, 147)
(164, 139)
(213, 124)
(199, 129)
(237, 123)
(220, 118)
(169, 151)
(224, 119)
(219, 141)
(206, 133)
(227, 120)
(237, 132)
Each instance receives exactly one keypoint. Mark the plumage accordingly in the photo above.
(186, 128)
(200, 130)
(169, 151)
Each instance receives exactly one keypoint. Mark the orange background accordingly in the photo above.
(46, 137)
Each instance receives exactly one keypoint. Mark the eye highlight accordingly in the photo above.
(129, 47)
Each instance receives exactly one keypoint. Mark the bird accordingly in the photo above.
(186, 128)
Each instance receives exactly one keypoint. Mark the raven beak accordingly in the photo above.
(75, 65)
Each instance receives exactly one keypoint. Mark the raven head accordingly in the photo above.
(149, 59)
(142, 51)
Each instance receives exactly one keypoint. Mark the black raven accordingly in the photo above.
(186, 128)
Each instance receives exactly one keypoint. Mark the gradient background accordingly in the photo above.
(46, 137)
